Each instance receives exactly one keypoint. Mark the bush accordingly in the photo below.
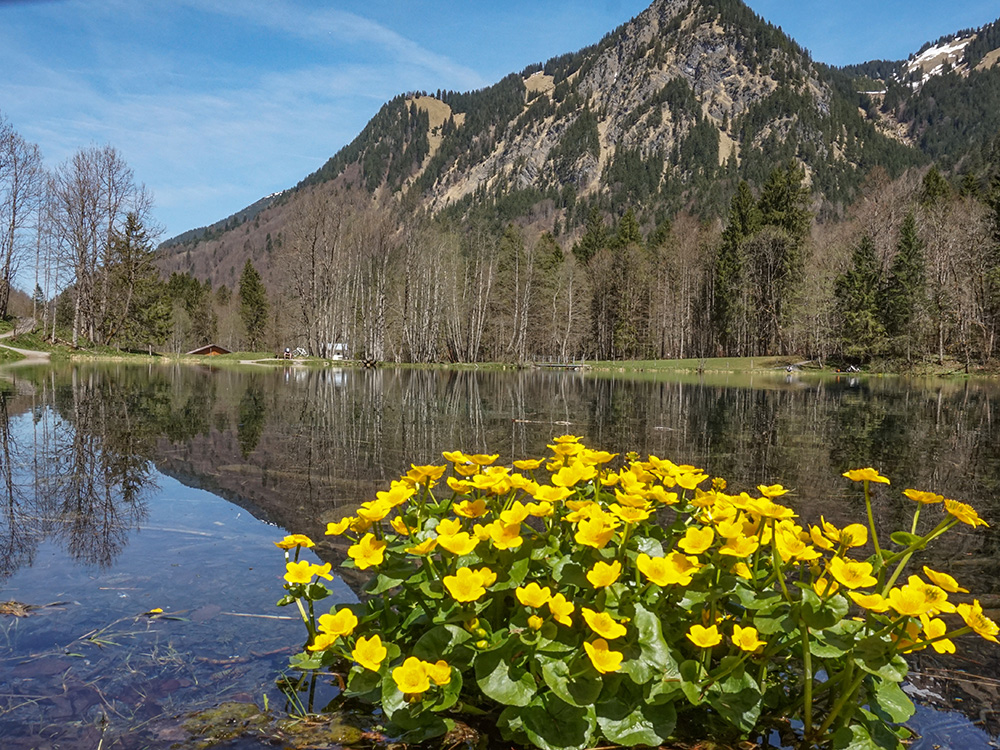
(573, 605)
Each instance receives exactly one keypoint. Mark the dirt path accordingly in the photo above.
(30, 355)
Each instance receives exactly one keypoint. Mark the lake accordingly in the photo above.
(127, 489)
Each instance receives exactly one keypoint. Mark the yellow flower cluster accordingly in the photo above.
(587, 510)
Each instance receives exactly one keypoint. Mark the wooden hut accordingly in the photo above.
(209, 350)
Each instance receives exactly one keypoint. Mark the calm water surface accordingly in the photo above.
(129, 489)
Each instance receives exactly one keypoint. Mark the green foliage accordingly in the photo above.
(903, 297)
(595, 237)
(254, 306)
(576, 605)
(862, 333)
(579, 139)
(139, 311)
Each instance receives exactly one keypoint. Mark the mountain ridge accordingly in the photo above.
(668, 111)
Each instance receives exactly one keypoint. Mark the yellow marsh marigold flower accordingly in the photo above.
(488, 576)
(979, 622)
(937, 597)
(341, 623)
(595, 458)
(595, 531)
(936, 629)
(374, 510)
(563, 452)
(400, 527)
(540, 510)
(533, 595)
(945, 581)
(411, 677)
(791, 547)
(964, 513)
(674, 569)
(569, 476)
(521, 482)
(658, 494)
(535, 622)
(295, 540)
(746, 638)
(603, 659)
(819, 540)
(424, 474)
(703, 637)
(865, 475)
(628, 514)
(909, 601)
(369, 652)
(483, 459)
(367, 553)
(323, 641)
(338, 528)
(459, 486)
(459, 544)
(398, 493)
(425, 547)
(742, 570)
(740, 546)
(603, 624)
(467, 585)
(504, 535)
(852, 535)
(448, 526)
(771, 491)
(695, 540)
(851, 574)
(825, 587)
(567, 439)
(528, 464)
(924, 498)
(871, 602)
(690, 479)
(515, 514)
(467, 470)
(582, 509)
(632, 500)
(359, 525)
(456, 457)
(561, 609)
(764, 508)
(299, 572)
(549, 494)
(603, 574)
(439, 672)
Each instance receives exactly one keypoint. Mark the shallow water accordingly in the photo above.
(130, 489)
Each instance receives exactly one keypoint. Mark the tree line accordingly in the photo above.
(911, 272)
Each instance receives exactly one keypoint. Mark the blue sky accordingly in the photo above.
(216, 103)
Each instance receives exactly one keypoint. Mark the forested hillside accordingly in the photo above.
(692, 185)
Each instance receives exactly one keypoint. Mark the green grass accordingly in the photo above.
(708, 364)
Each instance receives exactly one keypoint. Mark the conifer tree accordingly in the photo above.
(728, 293)
(254, 307)
(904, 290)
(595, 236)
(862, 334)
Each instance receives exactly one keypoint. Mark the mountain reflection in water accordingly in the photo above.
(103, 471)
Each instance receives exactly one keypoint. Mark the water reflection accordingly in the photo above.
(78, 472)
(81, 447)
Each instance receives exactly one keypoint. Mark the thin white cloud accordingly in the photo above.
(331, 23)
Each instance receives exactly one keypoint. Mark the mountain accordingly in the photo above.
(668, 112)
(946, 99)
